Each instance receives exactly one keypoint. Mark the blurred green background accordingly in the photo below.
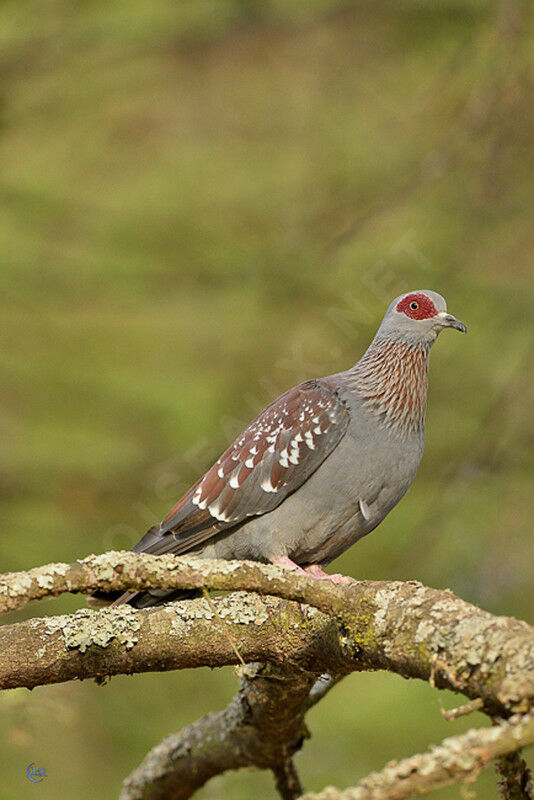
(203, 203)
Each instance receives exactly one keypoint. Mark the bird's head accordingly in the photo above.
(417, 318)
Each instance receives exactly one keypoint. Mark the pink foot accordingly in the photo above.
(286, 562)
(316, 572)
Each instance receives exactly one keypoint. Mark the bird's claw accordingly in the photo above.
(336, 577)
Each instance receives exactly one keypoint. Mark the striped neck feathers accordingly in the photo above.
(392, 379)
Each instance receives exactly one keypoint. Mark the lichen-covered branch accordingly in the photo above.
(459, 758)
(191, 633)
(124, 570)
(402, 627)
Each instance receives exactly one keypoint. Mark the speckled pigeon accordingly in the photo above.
(321, 466)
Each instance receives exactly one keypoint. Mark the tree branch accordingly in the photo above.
(514, 778)
(263, 726)
(113, 641)
(459, 758)
(402, 627)
(287, 780)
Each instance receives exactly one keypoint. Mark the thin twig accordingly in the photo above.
(321, 687)
(462, 711)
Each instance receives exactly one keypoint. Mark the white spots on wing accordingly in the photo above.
(364, 508)
(216, 512)
(196, 498)
(308, 438)
(294, 455)
(233, 482)
(275, 441)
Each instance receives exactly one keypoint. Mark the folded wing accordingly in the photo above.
(272, 458)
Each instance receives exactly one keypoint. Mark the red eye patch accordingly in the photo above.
(417, 306)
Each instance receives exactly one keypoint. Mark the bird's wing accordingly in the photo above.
(279, 450)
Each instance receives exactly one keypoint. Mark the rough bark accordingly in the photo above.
(514, 778)
(262, 727)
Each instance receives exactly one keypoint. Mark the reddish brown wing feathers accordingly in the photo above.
(279, 450)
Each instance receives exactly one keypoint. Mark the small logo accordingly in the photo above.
(35, 774)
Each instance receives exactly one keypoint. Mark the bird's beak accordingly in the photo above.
(448, 321)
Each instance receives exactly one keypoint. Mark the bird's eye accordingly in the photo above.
(414, 305)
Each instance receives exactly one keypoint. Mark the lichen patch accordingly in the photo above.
(382, 600)
(45, 575)
(424, 629)
(86, 627)
(14, 586)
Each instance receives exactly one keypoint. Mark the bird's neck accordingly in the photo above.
(392, 378)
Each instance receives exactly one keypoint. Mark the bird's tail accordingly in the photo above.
(143, 599)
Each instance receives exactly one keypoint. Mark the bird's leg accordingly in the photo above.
(316, 572)
(284, 561)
